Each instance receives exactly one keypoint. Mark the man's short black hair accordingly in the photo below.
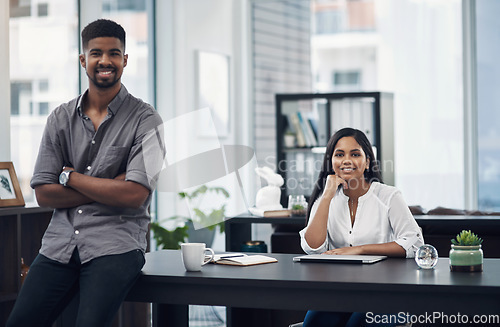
(102, 28)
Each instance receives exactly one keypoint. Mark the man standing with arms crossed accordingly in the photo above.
(98, 165)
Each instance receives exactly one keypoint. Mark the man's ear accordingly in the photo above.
(125, 60)
(82, 60)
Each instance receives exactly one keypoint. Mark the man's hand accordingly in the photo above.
(121, 177)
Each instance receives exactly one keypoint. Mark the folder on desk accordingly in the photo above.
(339, 258)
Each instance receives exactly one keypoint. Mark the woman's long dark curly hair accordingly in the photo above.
(372, 174)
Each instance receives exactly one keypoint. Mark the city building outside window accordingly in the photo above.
(412, 49)
(43, 73)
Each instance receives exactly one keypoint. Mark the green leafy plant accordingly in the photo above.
(467, 238)
(169, 239)
(215, 217)
(297, 207)
(172, 239)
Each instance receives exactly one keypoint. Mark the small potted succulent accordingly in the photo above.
(466, 254)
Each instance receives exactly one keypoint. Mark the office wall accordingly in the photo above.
(185, 27)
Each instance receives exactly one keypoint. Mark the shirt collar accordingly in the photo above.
(113, 106)
(361, 198)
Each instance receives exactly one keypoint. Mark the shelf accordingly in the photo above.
(23, 210)
(21, 231)
(313, 118)
(7, 297)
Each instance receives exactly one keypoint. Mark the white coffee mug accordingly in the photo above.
(193, 255)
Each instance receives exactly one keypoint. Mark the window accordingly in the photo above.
(414, 50)
(328, 21)
(346, 81)
(488, 79)
(43, 73)
(43, 108)
(43, 9)
(20, 8)
(343, 16)
(122, 5)
(20, 93)
(43, 85)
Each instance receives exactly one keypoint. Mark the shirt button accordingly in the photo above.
(93, 142)
(80, 211)
(89, 167)
(77, 232)
(350, 232)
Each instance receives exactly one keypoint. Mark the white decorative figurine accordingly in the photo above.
(268, 197)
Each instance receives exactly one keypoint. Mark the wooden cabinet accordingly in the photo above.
(21, 231)
(310, 120)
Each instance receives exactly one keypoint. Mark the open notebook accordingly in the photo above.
(340, 258)
(241, 259)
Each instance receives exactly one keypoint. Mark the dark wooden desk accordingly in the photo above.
(393, 285)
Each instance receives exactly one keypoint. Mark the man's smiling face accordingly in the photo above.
(104, 60)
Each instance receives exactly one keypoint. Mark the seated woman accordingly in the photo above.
(352, 212)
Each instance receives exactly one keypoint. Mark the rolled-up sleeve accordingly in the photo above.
(303, 243)
(147, 154)
(407, 233)
(50, 161)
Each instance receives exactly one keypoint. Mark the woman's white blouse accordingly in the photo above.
(382, 216)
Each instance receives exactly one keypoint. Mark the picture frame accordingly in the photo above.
(213, 91)
(10, 191)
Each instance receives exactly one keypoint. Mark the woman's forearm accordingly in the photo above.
(316, 231)
(391, 249)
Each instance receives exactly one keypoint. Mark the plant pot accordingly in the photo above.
(466, 258)
(289, 140)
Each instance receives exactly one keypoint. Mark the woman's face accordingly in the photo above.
(349, 161)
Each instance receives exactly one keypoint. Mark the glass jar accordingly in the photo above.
(297, 204)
